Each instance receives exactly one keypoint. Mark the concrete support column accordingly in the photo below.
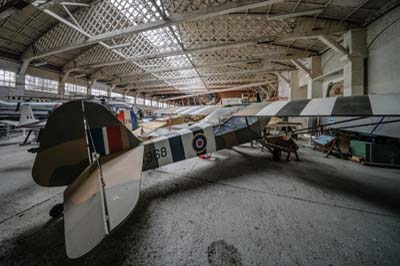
(353, 65)
(61, 88)
(61, 84)
(126, 93)
(20, 85)
(315, 66)
(314, 87)
(137, 94)
(110, 90)
(293, 84)
(90, 86)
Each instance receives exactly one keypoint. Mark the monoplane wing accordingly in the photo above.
(365, 106)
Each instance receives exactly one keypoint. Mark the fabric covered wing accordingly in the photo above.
(366, 105)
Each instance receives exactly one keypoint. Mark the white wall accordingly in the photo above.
(383, 40)
(383, 70)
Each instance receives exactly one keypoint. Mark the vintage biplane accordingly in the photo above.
(86, 148)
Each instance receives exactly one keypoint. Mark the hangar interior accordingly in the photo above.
(164, 68)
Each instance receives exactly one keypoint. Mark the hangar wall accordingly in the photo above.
(381, 68)
(383, 42)
(382, 65)
(19, 91)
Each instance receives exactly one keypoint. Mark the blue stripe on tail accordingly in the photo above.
(134, 120)
(96, 134)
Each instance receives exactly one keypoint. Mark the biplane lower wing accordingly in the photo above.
(86, 148)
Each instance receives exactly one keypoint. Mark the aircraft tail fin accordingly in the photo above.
(26, 117)
(75, 132)
(128, 118)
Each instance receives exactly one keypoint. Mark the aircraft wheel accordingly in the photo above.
(57, 210)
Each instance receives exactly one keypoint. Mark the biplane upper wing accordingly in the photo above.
(366, 105)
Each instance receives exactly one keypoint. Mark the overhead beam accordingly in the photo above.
(162, 55)
(362, 3)
(155, 89)
(238, 44)
(9, 8)
(223, 9)
(226, 80)
(197, 90)
(299, 65)
(66, 22)
(210, 84)
(121, 82)
(286, 80)
(73, 4)
(310, 12)
(161, 70)
(263, 57)
(214, 74)
(242, 87)
(171, 92)
(264, 90)
(64, 77)
(256, 71)
(328, 41)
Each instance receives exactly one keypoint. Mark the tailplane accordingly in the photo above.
(100, 199)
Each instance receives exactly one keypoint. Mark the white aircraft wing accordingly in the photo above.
(10, 122)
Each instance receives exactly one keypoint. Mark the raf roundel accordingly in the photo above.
(199, 143)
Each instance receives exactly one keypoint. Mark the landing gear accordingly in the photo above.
(57, 210)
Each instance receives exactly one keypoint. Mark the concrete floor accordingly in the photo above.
(239, 208)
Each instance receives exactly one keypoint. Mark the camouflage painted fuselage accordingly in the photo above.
(196, 140)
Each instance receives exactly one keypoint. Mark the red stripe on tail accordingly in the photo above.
(114, 137)
(121, 117)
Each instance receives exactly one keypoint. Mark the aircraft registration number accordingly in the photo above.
(155, 154)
